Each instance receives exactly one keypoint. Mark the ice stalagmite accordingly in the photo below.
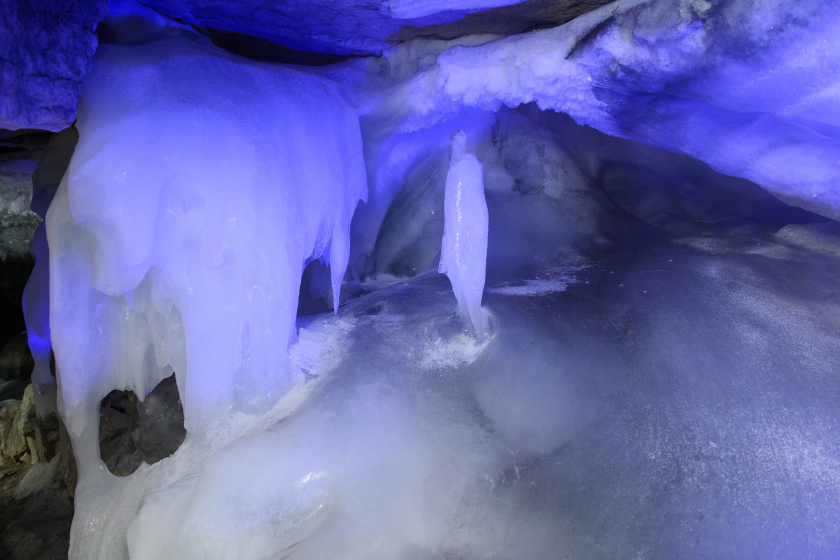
(463, 256)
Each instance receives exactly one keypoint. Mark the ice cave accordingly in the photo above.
(420, 279)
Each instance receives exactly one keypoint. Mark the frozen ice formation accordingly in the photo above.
(463, 253)
(200, 187)
(661, 73)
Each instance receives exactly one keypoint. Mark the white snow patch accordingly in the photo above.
(558, 280)
(456, 351)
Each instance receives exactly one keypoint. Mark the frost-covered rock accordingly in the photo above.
(45, 51)
(17, 222)
(26, 439)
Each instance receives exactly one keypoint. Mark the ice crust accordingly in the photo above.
(463, 253)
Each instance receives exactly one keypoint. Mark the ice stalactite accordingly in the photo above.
(200, 187)
(463, 256)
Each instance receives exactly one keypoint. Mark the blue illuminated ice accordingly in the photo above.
(463, 255)
(200, 187)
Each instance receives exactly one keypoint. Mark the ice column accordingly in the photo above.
(463, 256)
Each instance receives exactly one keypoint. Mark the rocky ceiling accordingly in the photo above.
(46, 45)
(365, 27)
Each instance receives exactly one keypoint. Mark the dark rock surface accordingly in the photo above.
(17, 221)
(45, 50)
(161, 420)
(14, 272)
(506, 20)
(22, 144)
(16, 360)
(360, 26)
(26, 438)
(118, 419)
(131, 431)
(37, 483)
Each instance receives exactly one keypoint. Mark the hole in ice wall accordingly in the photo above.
(315, 289)
(131, 431)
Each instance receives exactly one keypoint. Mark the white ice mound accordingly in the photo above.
(201, 185)
(463, 255)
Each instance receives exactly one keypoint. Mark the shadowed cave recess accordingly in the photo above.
(410, 280)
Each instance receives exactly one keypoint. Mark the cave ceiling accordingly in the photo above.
(364, 27)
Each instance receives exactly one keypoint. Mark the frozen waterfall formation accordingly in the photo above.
(203, 183)
(463, 254)
(178, 236)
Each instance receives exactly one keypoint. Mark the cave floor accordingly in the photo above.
(34, 523)
(680, 400)
(677, 401)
